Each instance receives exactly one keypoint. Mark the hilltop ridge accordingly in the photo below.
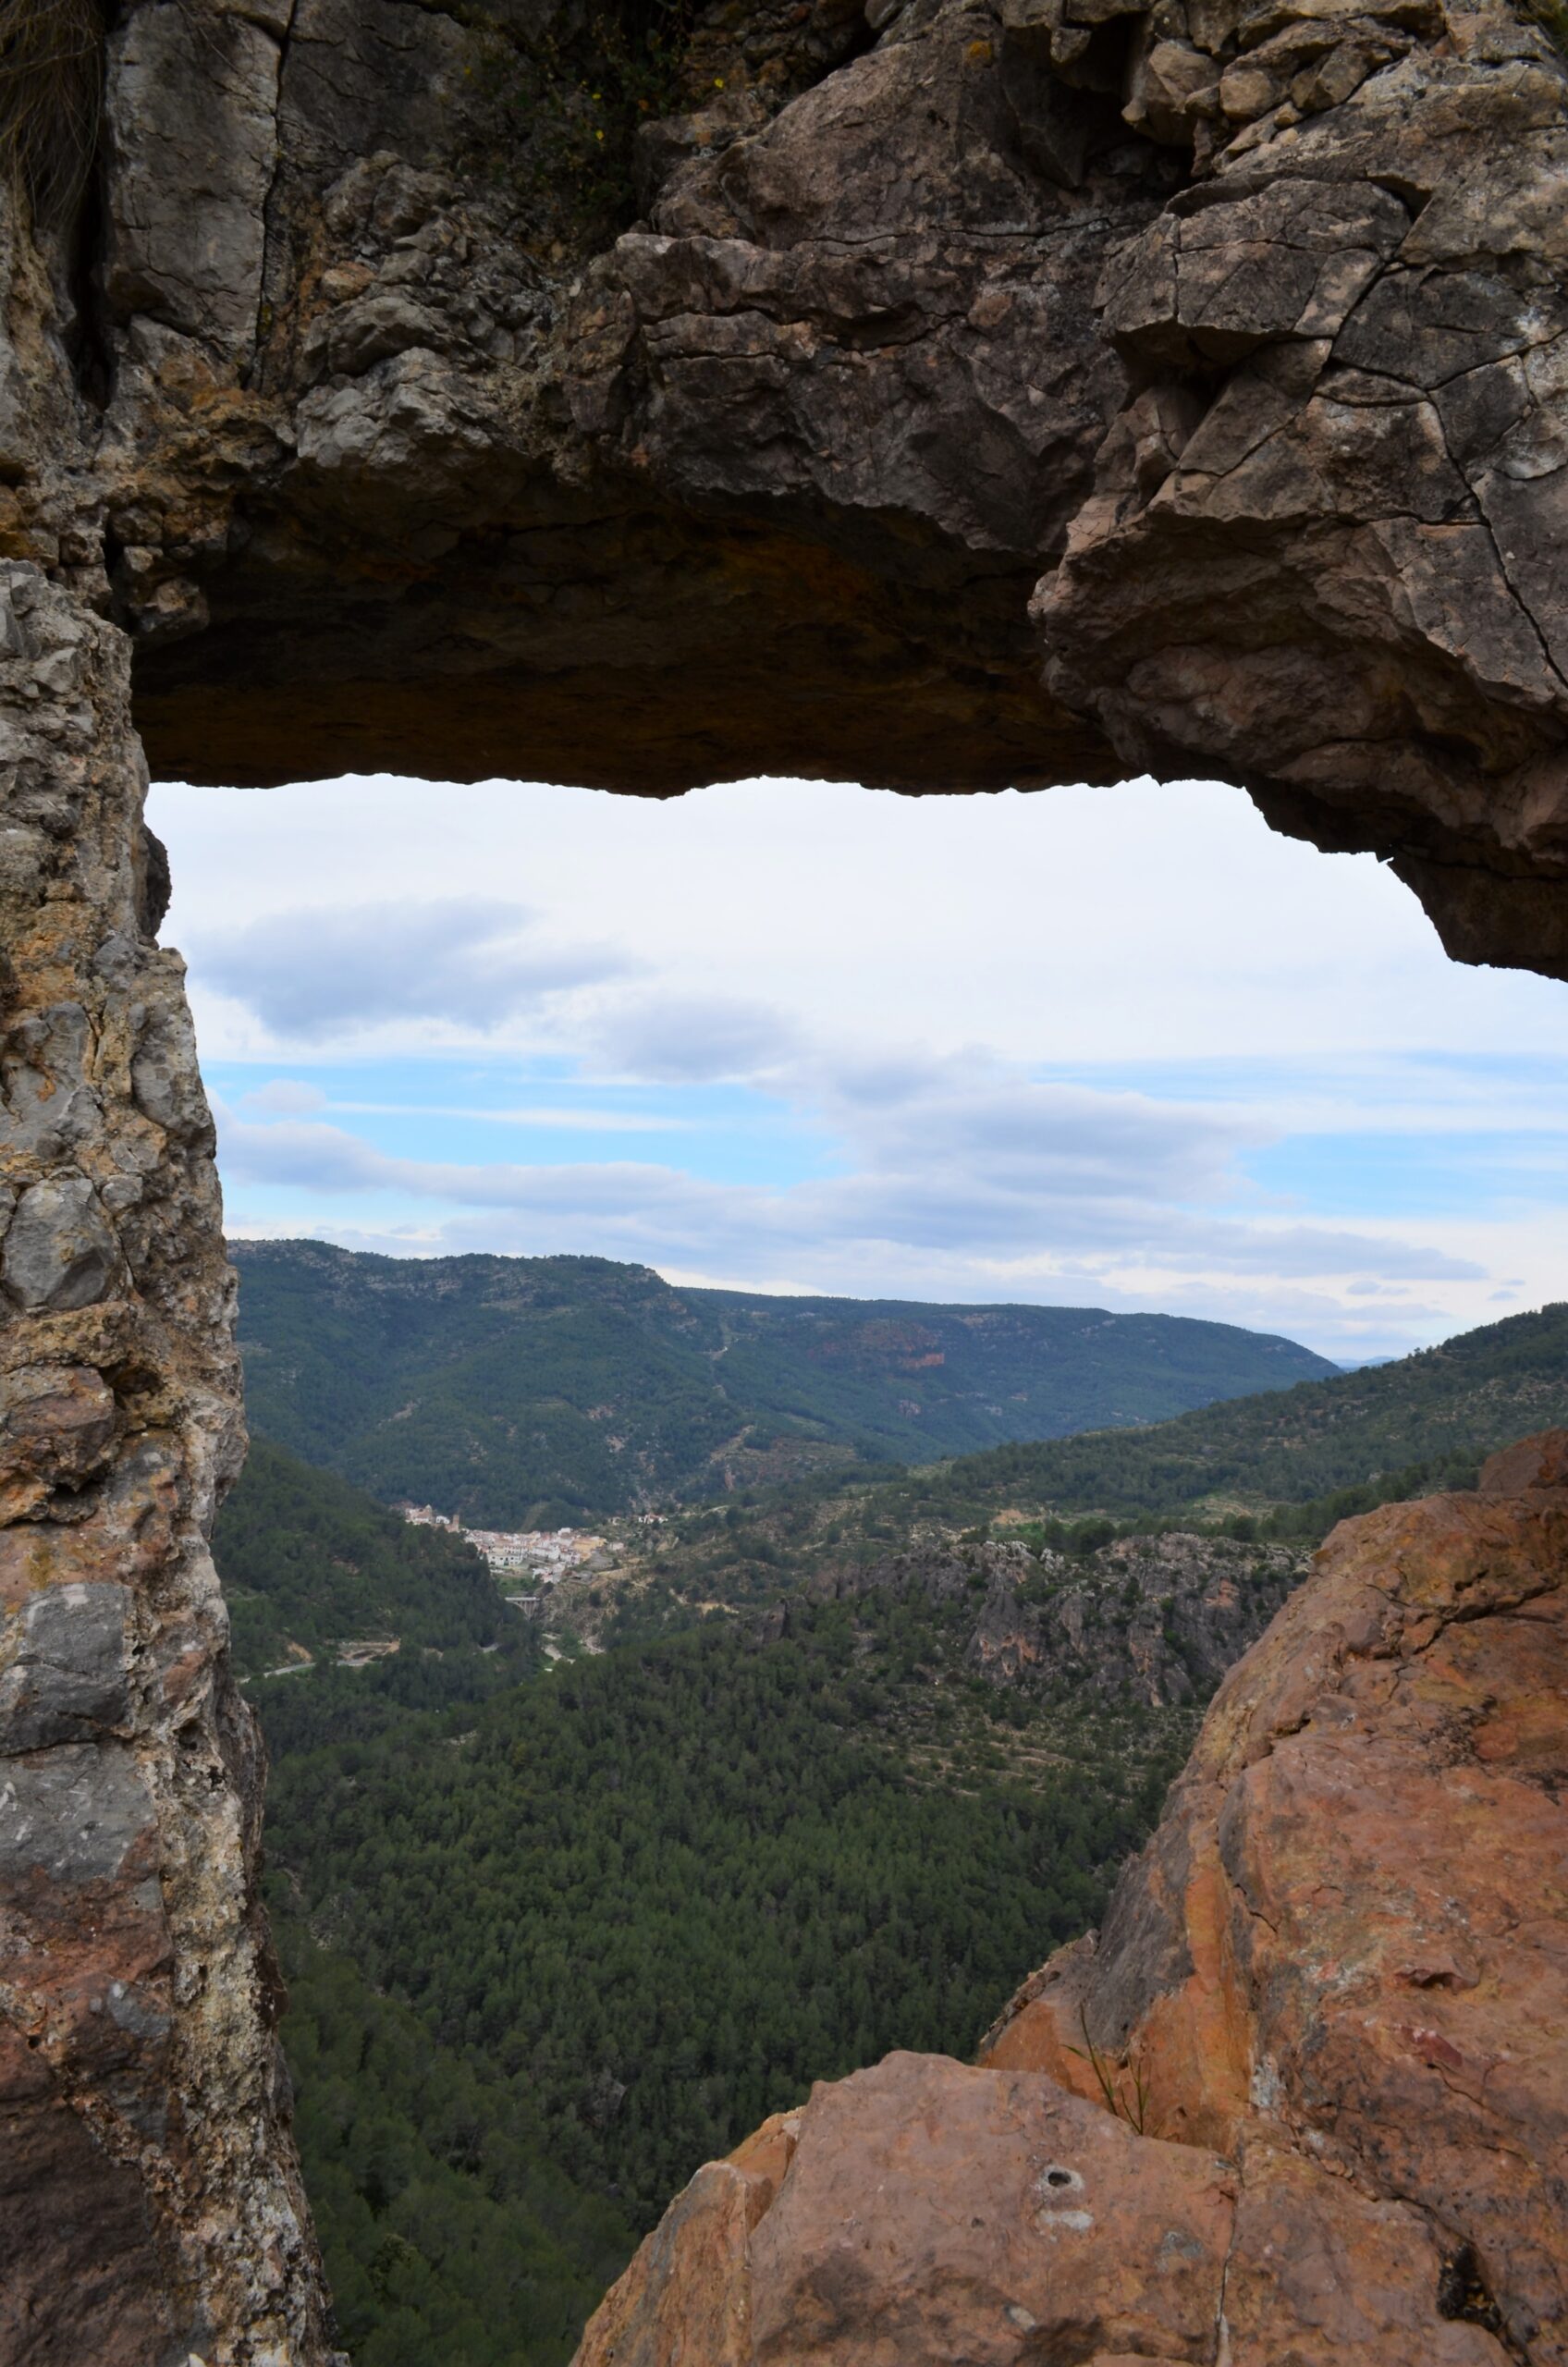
(532, 1391)
(1448, 1406)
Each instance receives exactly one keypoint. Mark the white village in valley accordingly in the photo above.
(545, 1556)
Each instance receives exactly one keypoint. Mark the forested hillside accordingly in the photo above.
(856, 1756)
(550, 1949)
(1280, 1469)
(1445, 1409)
(310, 1563)
(665, 1890)
(541, 1391)
(451, 2239)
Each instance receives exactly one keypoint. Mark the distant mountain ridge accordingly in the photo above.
(515, 1390)
(1276, 1469)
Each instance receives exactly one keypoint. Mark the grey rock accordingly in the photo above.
(60, 1250)
(128, 1801)
(1217, 284)
(192, 122)
(165, 1078)
(380, 325)
(75, 1816)
(24, 860)
(67, 1676)
(858, 456)
(49, 1104)
(57, 1429)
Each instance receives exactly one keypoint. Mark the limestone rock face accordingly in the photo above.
(988, 391)
(1163, 1616)
(149, 2204)
(1305, 2098)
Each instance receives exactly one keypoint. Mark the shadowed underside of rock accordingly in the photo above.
(989, 392)
(1304, 2099)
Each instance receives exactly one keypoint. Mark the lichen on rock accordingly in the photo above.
(149, 2204)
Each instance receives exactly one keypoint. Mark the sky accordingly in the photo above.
(1119, 1048)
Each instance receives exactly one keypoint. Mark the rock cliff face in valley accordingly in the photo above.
(1305, 2096)
(1160, 1618)
(989, 391)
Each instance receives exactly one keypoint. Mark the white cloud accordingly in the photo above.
(583, 1121)
(1133, 922)
(314, 973)
(896, 983)
(1086, 1179)
(690, 1040)
(285, 1096)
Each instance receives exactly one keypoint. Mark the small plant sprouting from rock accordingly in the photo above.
(1134, 2108)
(50, 77)
(563, 109)
(1552, 16)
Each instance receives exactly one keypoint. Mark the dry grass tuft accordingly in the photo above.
(51, 78)
(1552, 17)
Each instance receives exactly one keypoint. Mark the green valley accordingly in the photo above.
(821, 1769)
(312, 1565)
(554, 1937)
(1384, 1431)
(552, 1949)
(1278, 1469)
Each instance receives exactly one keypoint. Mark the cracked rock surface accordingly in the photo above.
(987, 392)
(1303, 2098)
(149, 2201)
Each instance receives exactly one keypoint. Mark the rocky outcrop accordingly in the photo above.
(922, 2211)
(1158, 1619)
(982, 391)
(1305, 2098)
(150, 2206)
(1259, 435)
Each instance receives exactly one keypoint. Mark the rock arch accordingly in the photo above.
(988, 391)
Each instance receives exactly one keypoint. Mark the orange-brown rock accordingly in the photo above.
(929, 2212)
(1352, 1923)
(1304, 2099)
